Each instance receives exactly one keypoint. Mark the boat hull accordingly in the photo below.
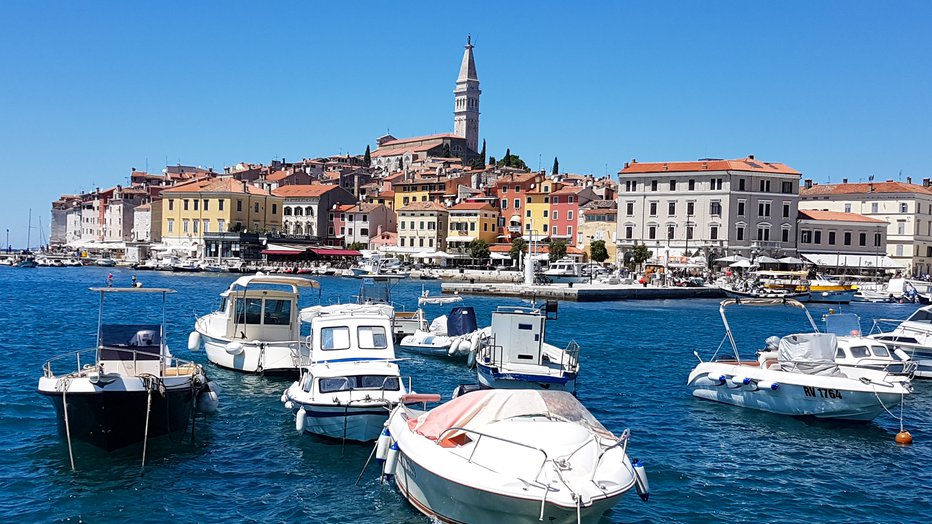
(831, 296)
(565, 279)
(362, 423)
(253, 359)
(494, 378)
(112, 417)
(731, 293)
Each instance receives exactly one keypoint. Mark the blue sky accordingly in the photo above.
(91, 89)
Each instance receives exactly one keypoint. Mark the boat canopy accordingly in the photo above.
(308, 314)
(810, 353)
(474, 410)
(461, 320)
(281, 280)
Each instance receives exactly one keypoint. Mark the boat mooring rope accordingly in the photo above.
(64, 399)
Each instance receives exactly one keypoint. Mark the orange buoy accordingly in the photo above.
(904, 438)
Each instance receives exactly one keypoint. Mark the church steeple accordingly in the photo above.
(466, 95)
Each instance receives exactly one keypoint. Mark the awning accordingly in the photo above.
(336, 252)
(460, 239)
(280, 252)
(859, 261)
(516, 219)
(499, 256)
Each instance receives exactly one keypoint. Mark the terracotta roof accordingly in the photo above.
(837, 216)
(344, 207)
(423, 206)
(215, 185)
(472, 206)
(303, 190)
(741, 164)
(364, 208)
(568, 190)
(420, 138)
(518, 179)
(279, 175)
(863, 189)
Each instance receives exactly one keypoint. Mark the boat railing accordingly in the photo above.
(86, 360)
(481, 435)
(350, 389)
(879, 323)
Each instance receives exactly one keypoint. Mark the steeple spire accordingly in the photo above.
(468, 67)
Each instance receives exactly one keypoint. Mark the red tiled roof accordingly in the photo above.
(215, 185)
(420, 138)
(568, 190)
(837, 216)
(423, 206)
(303, 190)
(472, 206)
(863, 189)
(279, 175)
(741, 164)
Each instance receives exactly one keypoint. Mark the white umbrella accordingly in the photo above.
(766, 260)
(792, 260)
(741, 263)
(731, 258)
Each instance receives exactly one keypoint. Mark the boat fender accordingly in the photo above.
(740, 381)
(474, 343)
(284, 398)
(194, 341)
(391, 459)
(640, 480)
(299, 420)
(471, 360)
(715, 377)
(382, 445)
(288, 404)
(208, 400)
(773, 386)
(902, 354)
(454, 345)
(234, 348)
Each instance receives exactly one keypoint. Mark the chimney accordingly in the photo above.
(926, 182)
(909, 180)
(626, 165)
(750, 157)
(134, 170)
(808, 183)
(634, 161)
(245, 190)
(844, 180)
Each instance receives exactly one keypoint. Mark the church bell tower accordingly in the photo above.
(466, 94)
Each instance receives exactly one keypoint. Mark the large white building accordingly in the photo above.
(720, 207)
(906, 209)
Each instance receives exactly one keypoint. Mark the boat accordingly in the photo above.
(913, 336)
(803, 379)
(256, 328)
(351, 381)
(769, 284)
(829, 289)
(857, 350)
(27, 263)
(455, 334)
(377, 266)
(129, 387)
(565, 271)
(105, 262)
(520, 456)
(516, 356)
(189, 265)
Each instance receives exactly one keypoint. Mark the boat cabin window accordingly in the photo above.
(277, 312)
(921, 315)
(130, 342)
(249, 311)
(894, 338)
(306, 381)
(223, 304)
(331, 384)
(332, 338)
(372, 337)
(880, 351)
(839, 353)
(860, 352)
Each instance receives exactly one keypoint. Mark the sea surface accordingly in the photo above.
(706, 461)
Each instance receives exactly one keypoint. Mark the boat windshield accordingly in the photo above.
(843, 324)
(332, 384)
(921, 315)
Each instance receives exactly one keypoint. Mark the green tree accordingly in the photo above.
(482, 154)
(492, 161)
(479, 248)
(367, 158)
(557, 249)
(556, 166)
(356, 246)
(597, 251)
(511, 161)
(641, 254)
(518, 246)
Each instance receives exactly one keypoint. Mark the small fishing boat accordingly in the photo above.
(256, 329)
(831, 290)
(516, 356)
(509, 456)
(189, 265)
(769, 284)
(27, 263)
(351, 381)
(127, 389)
(564, 271)
(913, 336)
(802, 380)
(105, 262)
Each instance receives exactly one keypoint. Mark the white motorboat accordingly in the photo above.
(376, 265)
(127, 389)
(803, 379)
(830, 289)
(520, 456)
(913, 336)
(189, 265)
(564, 271)
(105, 262)
(769, 284)
(456, 334)
(516, 356)
(857, 350)
(351, 381)
(256, 329)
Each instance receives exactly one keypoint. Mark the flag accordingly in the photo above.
(870, 178)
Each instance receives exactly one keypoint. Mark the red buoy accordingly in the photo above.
(904, 438)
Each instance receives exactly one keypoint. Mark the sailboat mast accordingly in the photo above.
(28, 229)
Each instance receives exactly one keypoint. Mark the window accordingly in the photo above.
(715, 208)
(274, 209)
(831, 238)
(653, 185)
(545, 213)
(741, 208)
(652, 232)
(874, 207)
(817, 237)
(184, 204)
(847, 208)
(569, 231)
(629, 209)
(929, 251)
(740, 184)
(673, 185)
(411, 225)
(765, 186)
(571, 199)
(763, 209)
(786, 234)
(689, 232)
(256, 207)
(901, 228)
(517, 189)
(629, 233)
(276, 312)
(504, 203)
(899, 250)
(671, 208)
(569, 215)
(877, 239)
(671, 230)
(220, 204)
(763, 233)
(221, 224)
(205, 225)
(527, 214)
(545, 228)
(334, 338)
(171, 225)
(171, 204)
(847, 238)
(556, 214)
(529, 200)
(249, 311)
(740, 233)
(904, 207)
(184, 226)
(239, 206)
(805, 237)
(690, 208)
(786, 210)
(653, 209)
(372, 337)
(786, 187)
(713, 232)
(692, 185)
(196, 201)
(716, 184)
(517, 203)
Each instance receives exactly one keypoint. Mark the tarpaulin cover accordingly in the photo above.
(461, 320)
(810, 353)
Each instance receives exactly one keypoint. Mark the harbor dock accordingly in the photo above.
(595, 292)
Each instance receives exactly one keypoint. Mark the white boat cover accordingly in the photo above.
(438, 326)
(810, 353)
(481, 408)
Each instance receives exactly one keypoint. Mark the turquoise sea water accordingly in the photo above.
(705, 461)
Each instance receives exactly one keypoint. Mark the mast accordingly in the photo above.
(28, 230)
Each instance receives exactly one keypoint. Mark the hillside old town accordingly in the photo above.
(442, 200)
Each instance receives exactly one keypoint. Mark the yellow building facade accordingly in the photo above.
(472, 221)
(537, 210)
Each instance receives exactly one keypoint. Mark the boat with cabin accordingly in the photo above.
(520, 456)
(351, 380)
(129, 387)
(514, 355)
(256, 329)
(769, 284)
(800, 378)
(834, 290)
(913, 336)
(565, 271)
(858, 350)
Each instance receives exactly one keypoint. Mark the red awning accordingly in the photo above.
(280, 252)
(337, 252)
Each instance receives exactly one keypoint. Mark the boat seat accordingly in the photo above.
(180, 371)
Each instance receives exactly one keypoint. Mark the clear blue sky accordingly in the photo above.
(92, 89)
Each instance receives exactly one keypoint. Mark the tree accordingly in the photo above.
(556, 166)
(492, 161)
(597, 251)
(479, 248)
(518, 246)
(367, 158)
(482, 154)
(557, 249)
(510, 161)
(356, 246)
(641, 254)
